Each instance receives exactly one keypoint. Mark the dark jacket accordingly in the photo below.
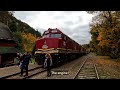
(26, 59)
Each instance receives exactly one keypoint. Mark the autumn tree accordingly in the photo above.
(106, 25)
(28, 41)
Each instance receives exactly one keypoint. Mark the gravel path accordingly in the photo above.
(66, 71)
(107, 69)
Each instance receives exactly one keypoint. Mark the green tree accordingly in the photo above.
(13, 26)
(19, 40)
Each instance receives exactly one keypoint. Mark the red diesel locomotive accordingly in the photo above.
(60, 46)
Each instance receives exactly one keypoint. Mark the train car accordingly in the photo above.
(61, 47)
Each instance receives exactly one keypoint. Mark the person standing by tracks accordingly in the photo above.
(24, 63)
(48, 63)
(17, 59)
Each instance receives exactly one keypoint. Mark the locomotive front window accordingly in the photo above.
(44, 36)
(56, 35)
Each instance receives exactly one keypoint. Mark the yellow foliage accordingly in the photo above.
(100, 36)
(104, 43)
(29, 40)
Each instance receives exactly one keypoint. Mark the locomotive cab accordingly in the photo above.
(52, 33)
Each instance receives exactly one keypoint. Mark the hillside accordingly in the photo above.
(25, 35)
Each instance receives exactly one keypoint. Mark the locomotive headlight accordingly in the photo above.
(44, 46)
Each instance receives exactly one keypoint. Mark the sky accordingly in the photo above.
(74, 24)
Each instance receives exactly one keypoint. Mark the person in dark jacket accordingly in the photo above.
(25, 62)
(48, 63)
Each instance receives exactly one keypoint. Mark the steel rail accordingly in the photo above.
(79, 69)
(4, 77)
(27, 77)
(96, 71)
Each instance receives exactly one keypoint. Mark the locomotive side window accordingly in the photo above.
(64, 37)
(56, 35)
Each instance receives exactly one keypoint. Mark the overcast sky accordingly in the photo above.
(75, 24)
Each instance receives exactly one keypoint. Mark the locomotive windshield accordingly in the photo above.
(56, 35)
(45, 36)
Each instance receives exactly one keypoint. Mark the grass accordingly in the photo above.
(32, 60)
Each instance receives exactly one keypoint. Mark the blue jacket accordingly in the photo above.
(26, 60)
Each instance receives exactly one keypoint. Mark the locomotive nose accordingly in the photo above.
(47, 43)
(44, 45)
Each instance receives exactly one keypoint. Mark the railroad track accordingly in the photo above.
(18, 73)
(87, 70)
(35, 73)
